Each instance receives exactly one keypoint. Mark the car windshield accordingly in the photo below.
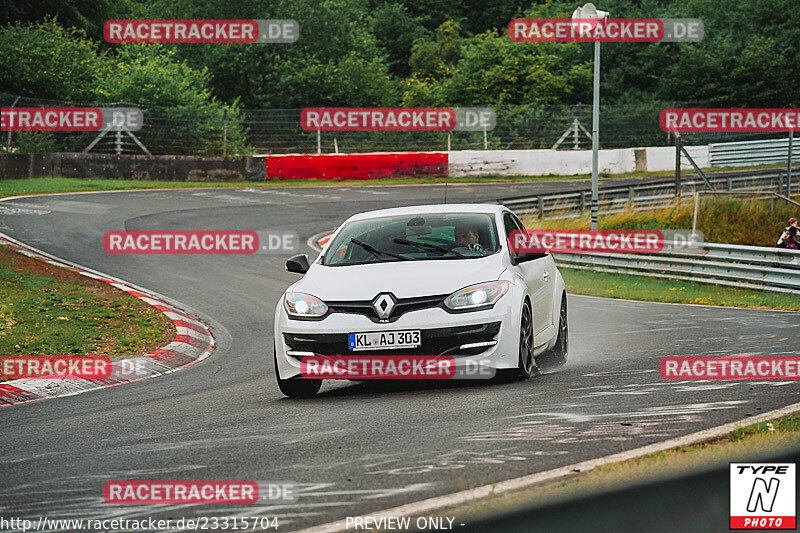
(420, 237)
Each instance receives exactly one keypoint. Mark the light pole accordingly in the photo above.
(589, 12)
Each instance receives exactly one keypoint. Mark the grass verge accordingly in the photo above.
(649, 289)
(48, 310)
(722, 219)
(56, 185)
(740, 445)
(13, 187)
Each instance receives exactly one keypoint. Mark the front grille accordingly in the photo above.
(438, 341)
(401, 307)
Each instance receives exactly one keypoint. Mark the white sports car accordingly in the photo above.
(442, 278)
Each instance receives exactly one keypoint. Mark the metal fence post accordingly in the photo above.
(677, 165)
(319, 143)
(225, 132)
(8, 150)
(789, 167)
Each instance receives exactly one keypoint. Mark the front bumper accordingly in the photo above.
(443, 333)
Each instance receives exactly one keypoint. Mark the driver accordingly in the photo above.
(467, 237)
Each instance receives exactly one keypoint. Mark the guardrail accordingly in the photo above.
(749, 153)
(652, 195)
(772, 269)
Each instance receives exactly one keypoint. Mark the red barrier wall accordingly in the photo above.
(357, 166)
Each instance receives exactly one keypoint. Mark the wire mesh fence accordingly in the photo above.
(232, 131)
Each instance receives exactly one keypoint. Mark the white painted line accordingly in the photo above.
(460, 498)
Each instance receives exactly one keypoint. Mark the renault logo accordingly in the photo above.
(383, 305)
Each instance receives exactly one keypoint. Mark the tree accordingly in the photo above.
(45, 60)
(396, 32)
(494, 70)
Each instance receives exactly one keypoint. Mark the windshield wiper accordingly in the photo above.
(434, 247)
(379, 253)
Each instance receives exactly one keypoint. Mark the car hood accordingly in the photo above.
(404, 279)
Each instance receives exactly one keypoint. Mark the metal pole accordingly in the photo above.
(8, 150)
(224, 133)
(789, 167)
(677, 165)
(448, 141)
(319, 143)
(485, 140)
(694, 218)
(595, 132)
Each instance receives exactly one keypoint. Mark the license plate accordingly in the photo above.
(384, 340)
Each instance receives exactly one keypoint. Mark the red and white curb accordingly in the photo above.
(193, 343)
(318, 241)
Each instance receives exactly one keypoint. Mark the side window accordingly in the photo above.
(518, 222)
(509, 225)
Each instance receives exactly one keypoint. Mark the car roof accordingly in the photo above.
(431, 209)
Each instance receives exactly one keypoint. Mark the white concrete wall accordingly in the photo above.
(663, 157)
(566, 162)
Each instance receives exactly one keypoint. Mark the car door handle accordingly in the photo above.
(546, 275)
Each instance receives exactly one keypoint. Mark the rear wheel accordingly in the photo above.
(296, 387)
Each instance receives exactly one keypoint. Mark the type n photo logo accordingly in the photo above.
(763, 496)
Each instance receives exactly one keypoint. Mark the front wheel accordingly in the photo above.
(527, 364)
(295, 387)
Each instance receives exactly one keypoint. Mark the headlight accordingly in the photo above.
(303, 305)
(480, 295)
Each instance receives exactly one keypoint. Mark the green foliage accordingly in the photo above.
(46, 60)
(396, 32)
(150, 75)
(404, 52)
(32, 142)
(495, 70)
(86, 15)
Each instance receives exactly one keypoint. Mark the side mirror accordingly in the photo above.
(529, 256)
(298, 264)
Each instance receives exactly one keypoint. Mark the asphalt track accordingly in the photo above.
(355, 448)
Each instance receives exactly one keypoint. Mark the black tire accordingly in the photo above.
(296, 387)
(557, 355)
(527, 363)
